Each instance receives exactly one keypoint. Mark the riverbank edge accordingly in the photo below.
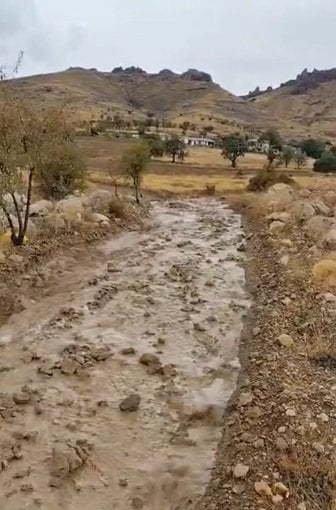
(278, 423)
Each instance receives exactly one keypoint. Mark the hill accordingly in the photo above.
(305, 104)
(133, 93)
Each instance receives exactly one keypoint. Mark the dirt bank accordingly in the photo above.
(114, 380)
(278, 443)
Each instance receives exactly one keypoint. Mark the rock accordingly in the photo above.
(284, 260)
(240, 471)
(329, 297)
(302, 211)
(263, 489)
(199, 327)
(254, 413)
(40, 209)
(323, 417)
(238, 489)
(21, 398)
(287, 243)
(130, 404)
(284, 217)
(149, 359)
(256, 331)
(259, 444)
(290, 413)
(319, 448)
(330, 198)
(281, 444)
(277, 499)
(276, 227)
(280, 489)
(128, 351)
(123, 482)
(245, 399)
(317, 226)
(195, 75)
(279, 197)
(302, 506)
(320, 207)
(286, 340)
(246, 437)
(69, 366)
(65, 460)
(99, 201)
(100, 219)
(329, 240)
(137, 503)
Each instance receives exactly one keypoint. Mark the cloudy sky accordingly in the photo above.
(242, 43)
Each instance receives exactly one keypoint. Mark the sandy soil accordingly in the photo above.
(115, 378)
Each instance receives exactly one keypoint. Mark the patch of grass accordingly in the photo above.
(265, 179)
(324, 273)
(192, 183)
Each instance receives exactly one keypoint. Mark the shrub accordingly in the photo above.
(264, 180)
(62, 172)
(313, 148)
(326, 163)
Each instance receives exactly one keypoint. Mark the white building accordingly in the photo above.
(199, 142)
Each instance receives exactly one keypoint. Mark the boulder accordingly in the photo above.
(317, 226)
(100, 219)
(40, 208)
(99, 201)
(70, 207)
(330, 198)
(279, 216)
(321, 208)
(276, 227)
(279, 197)
(9, 204)
(302, 211)
(130, 404)
(329, 240)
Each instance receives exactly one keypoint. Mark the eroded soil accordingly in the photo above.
(154, 319)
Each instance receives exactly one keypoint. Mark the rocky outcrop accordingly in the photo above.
(195, 75)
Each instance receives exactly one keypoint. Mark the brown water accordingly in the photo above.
(176, 291)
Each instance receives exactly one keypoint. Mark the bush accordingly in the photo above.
(265, 179)
(62, 172)
(313, 148)
(326, 163)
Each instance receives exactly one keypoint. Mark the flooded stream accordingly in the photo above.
(174, 294)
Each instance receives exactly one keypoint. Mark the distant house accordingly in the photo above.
(199, 142)
(255, 145)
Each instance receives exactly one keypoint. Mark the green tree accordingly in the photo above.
(233, 147)
(156, 146)
(326, 163)
(287, 155)
(300, 158)
(313, 147)
(173, 147)
(273, 137)
(185, 126)
(133, 165)
(62, 171)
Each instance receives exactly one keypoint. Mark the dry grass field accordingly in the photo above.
(204, 167)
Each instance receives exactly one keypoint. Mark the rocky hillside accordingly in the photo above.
(132, 93)
(309, 101)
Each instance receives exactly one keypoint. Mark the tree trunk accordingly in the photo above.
(18, 214)
(174, 157)
(233, 162)
(23, 232)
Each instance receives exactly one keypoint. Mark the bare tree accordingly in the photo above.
(134, 163)
(25, 140)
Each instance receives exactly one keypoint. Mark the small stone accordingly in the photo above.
(281, 444)
(123, 482)
(245, 399)
(246, 437)
(281, 489)
(313, 426)
(149, 359)
(319, 448)
(21, 398)
(161, 341)
(240, 471)
(302, 506)
(291, 413)
(259, 444)
(254, 413)
(238, 489)
(199, 327)
(263, 489)
(277, 499)
(137, 503)
(286, 301)
(284, 260)
(286, 340)
(27, 487)
(256, 331)
(128, 351)
(282, 430)
(130, 404)
(323, 417)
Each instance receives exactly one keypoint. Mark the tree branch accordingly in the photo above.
(18, 212)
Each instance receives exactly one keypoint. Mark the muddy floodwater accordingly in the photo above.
(174, 293)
